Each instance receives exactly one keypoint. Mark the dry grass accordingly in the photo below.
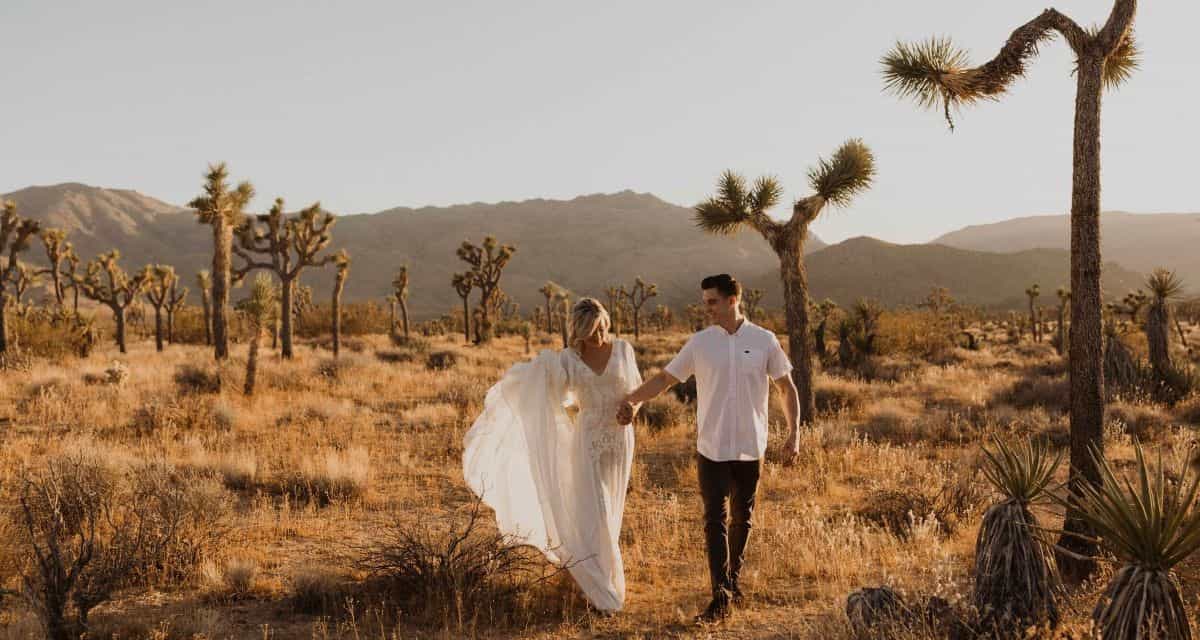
(321, 460)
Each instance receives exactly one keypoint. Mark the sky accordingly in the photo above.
(371, 105)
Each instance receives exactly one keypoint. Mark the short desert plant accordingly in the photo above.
(260, 307)
(1015, 573)
(341, 261)
(1151, 524)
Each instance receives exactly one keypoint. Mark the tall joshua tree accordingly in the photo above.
(341, 260)
(223, 209)
(1032, 293)
(400, 291)
(463, 284)
(204, 282)
(71, 273)
(160, 278)
(615, 295)
(835, 181)
(636, 297)
(285, 245)
(1064, 300)
(562, 300)
(14, 238)
(107, 283)
(487, 262)
(174, 303)
(549, 290)
(935, 74)
(1165, 286)
(54, 241)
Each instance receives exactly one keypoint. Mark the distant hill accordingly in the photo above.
(1138, 241)
(584, 244)
(904, 274)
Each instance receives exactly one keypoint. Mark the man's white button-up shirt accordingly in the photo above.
(733, 373)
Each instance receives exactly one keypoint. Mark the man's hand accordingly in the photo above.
(791, 449)
(625, 414)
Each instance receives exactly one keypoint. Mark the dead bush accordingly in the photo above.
(191, 378)
(1050, 393)
(441, 360)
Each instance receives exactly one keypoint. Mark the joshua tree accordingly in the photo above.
(259, 307)
(1064, 300)
(824, 311)
(750, 303)
(938, 300)
(107, 283)
(563, 302)
(1165, 287)
(391, 300)
(695, 316)
(463, 284)
(662, 317)
(1015, 573)
(615, 295)
(637, 297)
(835, 181)
(14, 238)
(937, 74)
(23, 278)
(160, 278)
(70, 270)
(285, 245)
(400, 291)
(1032, 293)
(204, 281)
(174, 303)
(341, 261)
(487, 263)
(1133, 303)
(549, 290)
(224, 210)
(57, 248)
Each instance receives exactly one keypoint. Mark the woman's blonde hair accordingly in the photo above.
(586, 317)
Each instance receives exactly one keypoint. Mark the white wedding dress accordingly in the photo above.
(555, 482)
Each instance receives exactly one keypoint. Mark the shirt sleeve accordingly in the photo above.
(778, 364)
(683, 365)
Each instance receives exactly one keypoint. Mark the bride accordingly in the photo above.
(555, 482)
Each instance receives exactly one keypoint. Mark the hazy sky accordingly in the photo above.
(369, 105)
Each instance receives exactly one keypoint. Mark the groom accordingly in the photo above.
(732, 361)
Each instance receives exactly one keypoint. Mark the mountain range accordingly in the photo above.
(593, 241)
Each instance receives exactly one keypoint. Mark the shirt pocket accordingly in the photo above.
(752, 361)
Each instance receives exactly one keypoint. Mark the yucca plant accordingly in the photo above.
(1151, 525)
(1165, 286)
(1015, 573)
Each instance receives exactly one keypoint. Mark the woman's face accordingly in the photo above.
(597, 339)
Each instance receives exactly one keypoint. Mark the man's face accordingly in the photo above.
(717, 307)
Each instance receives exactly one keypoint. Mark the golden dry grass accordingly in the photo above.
(328, 452)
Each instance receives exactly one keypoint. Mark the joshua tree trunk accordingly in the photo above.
(158, 329)
(404, 316)
(3, 320)
(549, 318)
(119, 317)
(206, 304)
(466, 320)
(1158, 328)
(392, 322)
(222, 241)
(252, 360)
(287, 288)
(1086, 363)
(338, 285)
(795, 293)
(1062, 329)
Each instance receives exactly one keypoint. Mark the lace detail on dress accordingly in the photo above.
(599, 396)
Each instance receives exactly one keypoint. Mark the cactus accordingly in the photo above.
(223, 210)
(341, 260)
(160, 279)
(487, 263)
(637, 297)
(14, 238)
(204, 281)
(107, 283)
(285, 245)
(400, 291)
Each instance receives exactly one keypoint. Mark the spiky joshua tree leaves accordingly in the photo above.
(1165, 287)
(285, 245)
(223, 209)
(1015, 571)
(834, 182)
(487, 262)
(1151, 524)
(15, 232)
(260, 308)
(107, 283)
(936, 74)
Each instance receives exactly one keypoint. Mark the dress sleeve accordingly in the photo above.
(632, 376)
(562, 379)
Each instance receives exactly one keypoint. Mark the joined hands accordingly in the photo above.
(625, 413)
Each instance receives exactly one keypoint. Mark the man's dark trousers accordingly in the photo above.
(734, 482)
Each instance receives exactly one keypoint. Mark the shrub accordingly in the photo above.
(441, 360)
(191, 378)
